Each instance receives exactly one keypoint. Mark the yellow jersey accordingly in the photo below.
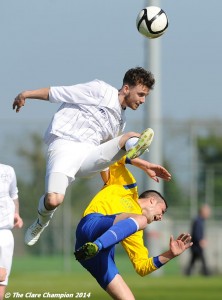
(120, 195)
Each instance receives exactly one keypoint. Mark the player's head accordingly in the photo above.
(139, 76)
(205, 211)
(153, 205)
(137, 84)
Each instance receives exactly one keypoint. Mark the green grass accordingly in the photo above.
(41, 275)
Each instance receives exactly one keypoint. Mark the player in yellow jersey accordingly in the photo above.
(116, 214)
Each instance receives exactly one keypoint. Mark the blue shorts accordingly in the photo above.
(102, 266)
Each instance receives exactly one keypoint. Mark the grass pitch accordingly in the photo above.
(54, 278)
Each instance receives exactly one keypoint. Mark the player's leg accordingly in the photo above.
(118, 289)
(2, 291)
(102, 267)
(136, 148)
(131, 144)
(63, 161)
(123, 226)
(191, 264)
(90, 228)
(45, 213)
(6, 255)
(3, 274)
(47, 206)
(204, 269)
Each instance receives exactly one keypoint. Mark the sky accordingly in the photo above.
(55, 42)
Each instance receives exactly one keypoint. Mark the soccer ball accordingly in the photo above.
(152, 22)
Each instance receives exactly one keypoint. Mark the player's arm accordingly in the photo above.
(18, 222)
(176, 247)
(139, 255)
(105, 175)
(13, 189)
(40, 94)
(152, 170)
(13, 192)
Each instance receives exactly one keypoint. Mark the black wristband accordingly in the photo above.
(128, 161)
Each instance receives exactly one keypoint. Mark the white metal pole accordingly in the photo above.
(152, 116)
(194, 173)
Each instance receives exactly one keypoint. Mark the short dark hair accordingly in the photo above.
(153, 193)
(137, 76)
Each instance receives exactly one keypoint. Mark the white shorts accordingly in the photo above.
(6, 252)
(66, 156)
(73, 159)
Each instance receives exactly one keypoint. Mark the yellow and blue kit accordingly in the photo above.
(119, 195)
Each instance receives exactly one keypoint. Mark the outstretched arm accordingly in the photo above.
(152, 170)
(177, 247)
(41, 94)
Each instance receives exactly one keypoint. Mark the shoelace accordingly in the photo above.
(37, 228)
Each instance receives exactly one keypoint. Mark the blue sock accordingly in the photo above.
(117, 233)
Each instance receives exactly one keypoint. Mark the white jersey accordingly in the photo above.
(8, 193)
(90, 113)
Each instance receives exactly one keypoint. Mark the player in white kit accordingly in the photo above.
(86, 134)
(9, 218)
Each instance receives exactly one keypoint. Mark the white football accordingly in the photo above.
(152, 22)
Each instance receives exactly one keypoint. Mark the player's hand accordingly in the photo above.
(156, 171)
(18, 102)
(3, 274)
(182, 243)
(152, 170)
(18, 222)
(203, 243)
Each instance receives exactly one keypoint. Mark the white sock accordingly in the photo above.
(131, 142)
(44, 214)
